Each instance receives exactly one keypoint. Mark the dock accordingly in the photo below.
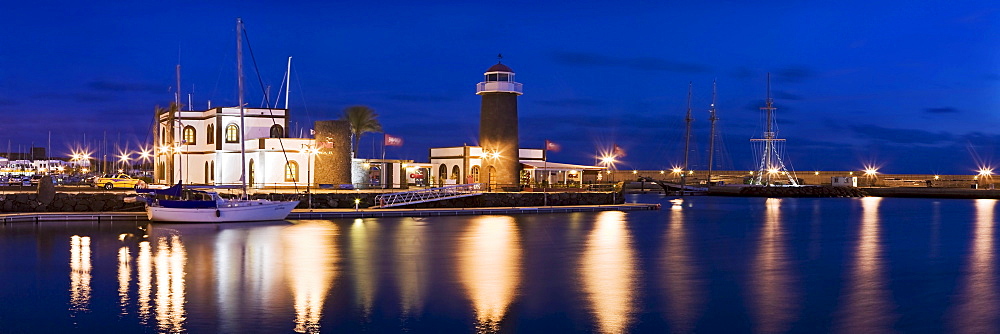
(299, 214)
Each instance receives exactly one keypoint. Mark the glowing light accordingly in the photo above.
(985, 171)
(677, 170)
(635, 172)
(816, 173)
(125, 157)
(661, 172)
(870, 171)
(609, 274)
(772, 171)
(489, 262)
(937, 177)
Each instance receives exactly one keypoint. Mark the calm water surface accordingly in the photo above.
(707, 264)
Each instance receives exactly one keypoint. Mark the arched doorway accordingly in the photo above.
(474, 174)
(250, 176)
(491, 173)
(442, 174)
(206, 172)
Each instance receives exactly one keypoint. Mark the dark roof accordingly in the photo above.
(499, 68)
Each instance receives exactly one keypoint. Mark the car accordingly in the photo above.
(35, 179)
(111, 181)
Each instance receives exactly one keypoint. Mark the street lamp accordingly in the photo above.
(310, 151)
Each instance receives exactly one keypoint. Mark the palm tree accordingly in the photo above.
(362, 120)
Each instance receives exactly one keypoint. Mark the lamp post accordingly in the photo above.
(310, 151)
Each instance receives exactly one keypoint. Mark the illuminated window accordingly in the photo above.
(189, 135)
(291, 171)
(475, 173)
(232, 133)
(211, 134)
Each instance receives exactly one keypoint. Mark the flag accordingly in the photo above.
(552, 146)
(393, 141)
(618, 152)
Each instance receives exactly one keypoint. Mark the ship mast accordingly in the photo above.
(239, 83)
(770, 162)
(711, 138)
(687, 142)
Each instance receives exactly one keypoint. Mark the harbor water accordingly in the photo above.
(701, 264)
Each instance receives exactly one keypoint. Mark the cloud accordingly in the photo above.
(944, 110)
(794, 74)
(418, 98)
(783, 95)
(573, 103)
(77, 97)
(901, 136)
(108, 86)
(639, 63)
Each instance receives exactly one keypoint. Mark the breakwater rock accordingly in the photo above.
(63, 202)
(807, 191)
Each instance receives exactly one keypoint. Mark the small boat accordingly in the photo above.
(206, 206)
(209, 207)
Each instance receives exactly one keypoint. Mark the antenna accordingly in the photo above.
(687, 141)
(711, 138)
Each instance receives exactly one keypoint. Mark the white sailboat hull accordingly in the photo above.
(234, 211)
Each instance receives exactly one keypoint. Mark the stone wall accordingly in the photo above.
(62, 202)
(102, 202)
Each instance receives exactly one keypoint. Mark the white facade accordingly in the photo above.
(203, 147)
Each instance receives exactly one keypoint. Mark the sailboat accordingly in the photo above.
(208, 206)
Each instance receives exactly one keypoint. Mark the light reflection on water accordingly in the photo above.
(867, 308)
(703, 265)
(977, 304)
(607, 268)
(411, 266)
(311, 270)
(773, 282)
(79, 274)
(489, 265)
(362, 257)
(680, 274)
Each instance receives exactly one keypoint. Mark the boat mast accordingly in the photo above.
(687, 142)
(288, 82)
(239, 83)
(711, 138)
(768, 134)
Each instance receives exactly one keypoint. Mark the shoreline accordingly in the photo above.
(336, 213)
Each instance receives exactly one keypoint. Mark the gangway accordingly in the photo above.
(428, 195)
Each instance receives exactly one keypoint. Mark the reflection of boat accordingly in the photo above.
(206, 206)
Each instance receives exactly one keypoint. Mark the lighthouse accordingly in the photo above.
(498, 127)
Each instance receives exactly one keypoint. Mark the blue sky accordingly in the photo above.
(912, 89)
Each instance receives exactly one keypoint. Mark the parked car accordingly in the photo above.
(35, 179)
(111, 181)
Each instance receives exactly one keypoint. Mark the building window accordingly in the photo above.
(232, 133)
(211, 134)
(162, 171)
(189, 135)
(277, 131)
(475, 174)
(252, 175)
(292, 171)
(211, 171)
(455, 172)
(206, 172)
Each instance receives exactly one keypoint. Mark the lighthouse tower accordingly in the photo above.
(498, 127)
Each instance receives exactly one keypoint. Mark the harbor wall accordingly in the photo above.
(806, 177)
(106, 202)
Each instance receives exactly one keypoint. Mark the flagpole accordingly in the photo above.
(384, 165)
(545, 167)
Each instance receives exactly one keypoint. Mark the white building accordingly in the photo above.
(463, 164)
(203, 147)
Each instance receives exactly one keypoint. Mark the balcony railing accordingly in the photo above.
(499, 86)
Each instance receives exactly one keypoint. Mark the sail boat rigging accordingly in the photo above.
(207, 206)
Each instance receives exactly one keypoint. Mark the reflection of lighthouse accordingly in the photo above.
(498, 126)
